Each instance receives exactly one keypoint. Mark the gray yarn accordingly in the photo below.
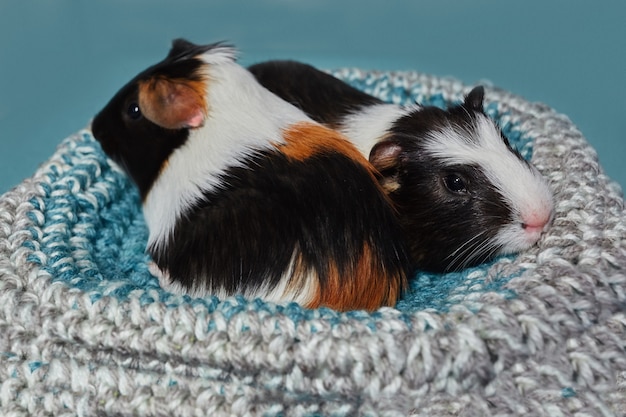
(556, 349)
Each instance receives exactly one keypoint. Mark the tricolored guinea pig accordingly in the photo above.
(244, 194)
(462, 193)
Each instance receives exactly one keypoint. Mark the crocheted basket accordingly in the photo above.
(86, 330)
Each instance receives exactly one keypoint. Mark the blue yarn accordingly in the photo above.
(92, 235)
(568, 392)
(437, 100)
(33, 366)
(106, 232)
(440, 291)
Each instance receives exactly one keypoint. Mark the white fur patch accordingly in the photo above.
(220, 54)
(368, 126)
(301, 294)
(243, 117)
(523, 187)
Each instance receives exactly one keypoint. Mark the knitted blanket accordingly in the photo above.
(86, 330)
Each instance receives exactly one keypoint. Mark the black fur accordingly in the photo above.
(140, 146)
(436, 219)
(326, 207)
(242, 234)
(321, 96)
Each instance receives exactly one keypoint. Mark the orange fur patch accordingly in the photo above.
(305, 139)
(368, 286)
(173, 103)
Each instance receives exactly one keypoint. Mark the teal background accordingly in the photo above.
(61, 61)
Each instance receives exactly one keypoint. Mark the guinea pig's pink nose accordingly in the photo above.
(536, 222)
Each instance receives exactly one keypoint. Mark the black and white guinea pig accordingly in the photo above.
(244, 194)
(463, 194)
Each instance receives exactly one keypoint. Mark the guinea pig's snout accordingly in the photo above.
(537, 222)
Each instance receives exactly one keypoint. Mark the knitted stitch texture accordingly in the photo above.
(86, 330)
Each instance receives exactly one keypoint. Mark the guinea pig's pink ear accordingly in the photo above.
(474, 99)
(385, 154)
(173, 103)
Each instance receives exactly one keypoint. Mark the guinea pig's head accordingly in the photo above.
(464, 195)
(152, 114)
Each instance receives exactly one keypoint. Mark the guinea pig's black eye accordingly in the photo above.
(455, 183)
(133, 111)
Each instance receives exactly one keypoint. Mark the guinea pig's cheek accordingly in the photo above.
(532, 235)
(514, 238)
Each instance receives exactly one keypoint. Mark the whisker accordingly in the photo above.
(464, 253)
(483, 252)
(465, 244)
(476, 254)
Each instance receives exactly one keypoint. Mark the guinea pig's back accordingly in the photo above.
(306, 221)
